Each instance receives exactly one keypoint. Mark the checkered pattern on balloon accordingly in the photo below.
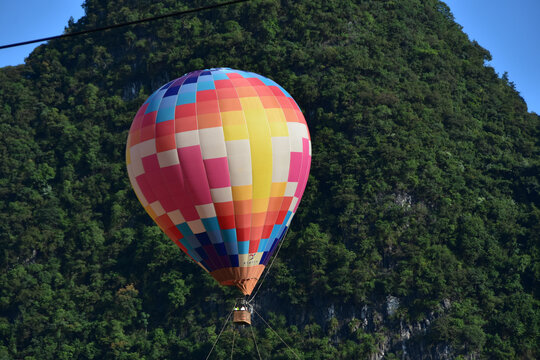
(219, 159)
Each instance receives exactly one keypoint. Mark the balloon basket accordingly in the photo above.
(242, 317)
(242, 313)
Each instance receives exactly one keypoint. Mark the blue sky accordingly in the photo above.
(22, 20)
(508, 29)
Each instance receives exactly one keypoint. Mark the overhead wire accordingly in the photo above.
(114, 26)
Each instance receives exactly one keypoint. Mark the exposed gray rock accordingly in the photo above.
(392, 304)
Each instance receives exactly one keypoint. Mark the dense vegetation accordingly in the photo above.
(419, 230)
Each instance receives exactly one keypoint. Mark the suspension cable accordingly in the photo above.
(268, 269)
(177, 13)
(255, 341)
(232, 347)
(223, 328)
(280, 338)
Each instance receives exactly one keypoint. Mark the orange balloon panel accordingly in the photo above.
(219, 159)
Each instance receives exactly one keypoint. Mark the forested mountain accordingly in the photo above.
(417, 238)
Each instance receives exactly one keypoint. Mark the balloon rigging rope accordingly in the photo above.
(270, 267)
(232, 347)
(255, 341)
(221, 332)
(280, 338)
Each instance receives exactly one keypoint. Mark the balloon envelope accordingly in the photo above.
(219, 159)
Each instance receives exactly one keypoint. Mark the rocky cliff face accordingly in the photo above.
(395, 337)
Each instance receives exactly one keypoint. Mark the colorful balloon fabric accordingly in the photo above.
(219, 159)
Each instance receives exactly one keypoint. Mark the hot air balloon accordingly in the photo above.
(219, 158)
